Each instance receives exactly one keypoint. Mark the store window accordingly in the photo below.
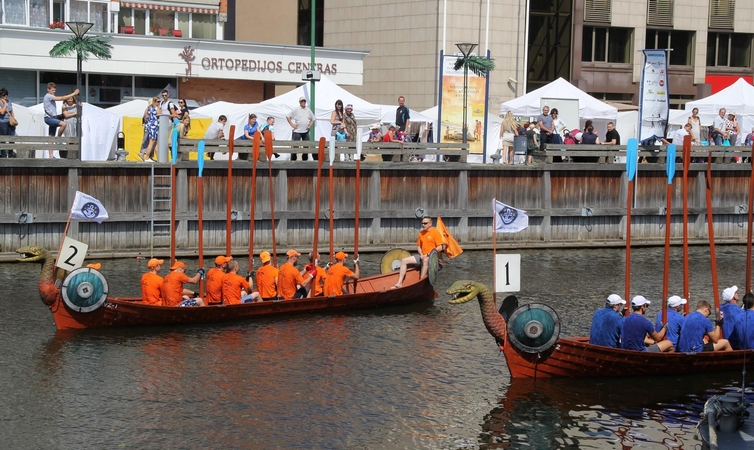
(15, 12)
(606, 44)
(39, 13)
(203, 26)
(151, 86)
(678, 40)
(729, 50)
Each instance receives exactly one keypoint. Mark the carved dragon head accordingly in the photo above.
(463, 291)
(33, 254)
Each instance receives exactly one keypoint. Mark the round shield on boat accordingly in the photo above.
(84, 290)
(434, 267)
(533, 328)
(392, 260)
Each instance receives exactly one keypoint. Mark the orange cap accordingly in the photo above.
(293, 252)
(177, 265)
(341, 255)
(222, 259)
(154, 262)
(95, 266)
(265, 257)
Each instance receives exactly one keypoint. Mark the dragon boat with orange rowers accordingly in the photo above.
(82, 299)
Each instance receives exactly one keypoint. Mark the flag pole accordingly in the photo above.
(229, 207)
(200, 210)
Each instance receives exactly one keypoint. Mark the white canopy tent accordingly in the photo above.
(30, 122)
(99, 128)
(589, 107)
(738, 98)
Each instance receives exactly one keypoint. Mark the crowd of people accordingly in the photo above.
(732, 329)
(548, 128)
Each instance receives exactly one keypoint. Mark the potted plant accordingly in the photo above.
(155, 29)
(57, 25)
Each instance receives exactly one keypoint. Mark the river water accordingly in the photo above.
(424, 376)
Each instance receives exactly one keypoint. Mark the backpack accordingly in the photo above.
(569, 140)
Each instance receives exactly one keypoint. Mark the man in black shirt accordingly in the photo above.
(612, 137)
(402, 115)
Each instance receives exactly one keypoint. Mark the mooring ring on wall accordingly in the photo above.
(334, 214)
(420, 212)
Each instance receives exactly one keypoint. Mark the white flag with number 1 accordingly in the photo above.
(86, 207)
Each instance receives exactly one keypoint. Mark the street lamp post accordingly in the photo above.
(79, 29)
(466, 49)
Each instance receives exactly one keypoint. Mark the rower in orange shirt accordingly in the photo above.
(336, 276)
(215, 280)
(173, 293)
(267, 278)
(317, 286)
(151, 283)
(290, 280)
(237, 289)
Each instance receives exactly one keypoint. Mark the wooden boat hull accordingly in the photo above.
(576, 358)
(371, 292)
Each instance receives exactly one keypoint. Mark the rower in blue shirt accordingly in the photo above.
(638, 332)
(607, 323)
(675, 319)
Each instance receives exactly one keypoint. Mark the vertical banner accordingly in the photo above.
(451, 106)
(654, 103)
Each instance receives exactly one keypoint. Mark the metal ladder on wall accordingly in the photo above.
(160, 203)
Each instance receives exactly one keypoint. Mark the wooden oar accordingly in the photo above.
(200, 210)
(670, 171)
(748, 232)
(229, 203)
(686, 164)
(711, 232)
(632, 156)
(332, 219)
(268, 151)
(320, 160)
(254, 158)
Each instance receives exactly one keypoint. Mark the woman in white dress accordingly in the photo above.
(696, 127)
(558, 127)
(70, 113)
(508, 132)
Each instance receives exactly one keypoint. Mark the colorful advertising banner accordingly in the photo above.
(654, 103)
(451, 106)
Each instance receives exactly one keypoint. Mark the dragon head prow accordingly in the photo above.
(33, 254)
(463, 291)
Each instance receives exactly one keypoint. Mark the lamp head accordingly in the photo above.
(79, 28)
(466, 48)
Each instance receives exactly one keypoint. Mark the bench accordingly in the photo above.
(606, 154)
(25, 146)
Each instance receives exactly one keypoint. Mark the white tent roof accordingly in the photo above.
(30, 122)
(589, 107)
(134, 108)
(738, 97)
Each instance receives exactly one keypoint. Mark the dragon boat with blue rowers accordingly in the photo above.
(529, 337)
(82, 299)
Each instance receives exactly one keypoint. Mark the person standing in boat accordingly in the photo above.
(429, 239)
(607, 323)
(675, 319)
(337, 274)
(638, 333)
(215, 280)
(151, 283)
(744, 325)
(173, 293)
(291, 280)
(731, 310)
(237, 289)
(697, 326)
(267, 278)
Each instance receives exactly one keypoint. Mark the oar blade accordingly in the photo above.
(670, 163)
(632, 157)
(200, 157)
(268, 144)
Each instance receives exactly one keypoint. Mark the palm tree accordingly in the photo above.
(82, 47)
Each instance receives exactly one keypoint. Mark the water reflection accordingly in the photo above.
(420, 376)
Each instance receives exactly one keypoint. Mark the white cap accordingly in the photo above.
(639, 301)
(675, 301)
(614, 299)
(729, 293)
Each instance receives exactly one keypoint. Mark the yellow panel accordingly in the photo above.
(134, 131)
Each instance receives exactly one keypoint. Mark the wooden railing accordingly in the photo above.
(389, 151)
(607, 154)
(24, 146)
